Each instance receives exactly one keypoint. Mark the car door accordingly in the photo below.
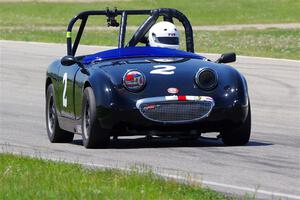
(66, 90)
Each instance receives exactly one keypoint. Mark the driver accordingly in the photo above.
(164, 34)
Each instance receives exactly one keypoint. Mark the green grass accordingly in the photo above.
(278, 43)
(28, 178)
(200, 12)
(25, 21)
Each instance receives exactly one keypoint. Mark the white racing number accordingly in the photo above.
(65, 80)
(163, 69)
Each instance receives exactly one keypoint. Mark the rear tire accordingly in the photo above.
(93, 135)
(238, 135)
(55, 133)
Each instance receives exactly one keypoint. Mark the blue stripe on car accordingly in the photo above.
(135, 52)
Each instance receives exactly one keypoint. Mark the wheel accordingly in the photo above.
(93, 135)
(238, 135)
(55, 133)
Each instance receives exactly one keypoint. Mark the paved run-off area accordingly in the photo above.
(269, 164)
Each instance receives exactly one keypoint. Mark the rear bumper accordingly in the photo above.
(219, 118)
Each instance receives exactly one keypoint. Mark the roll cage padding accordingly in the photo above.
(167, 13)
(142, 30)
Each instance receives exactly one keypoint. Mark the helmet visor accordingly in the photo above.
(168, 40)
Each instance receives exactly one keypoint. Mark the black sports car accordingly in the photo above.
(141, 90)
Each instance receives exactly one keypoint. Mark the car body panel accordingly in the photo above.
(115, 103)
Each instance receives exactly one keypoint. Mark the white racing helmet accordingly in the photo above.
(164, 34)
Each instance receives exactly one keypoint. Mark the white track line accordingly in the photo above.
(276, 194)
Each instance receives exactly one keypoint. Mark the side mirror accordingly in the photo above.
(69, 60)
(227, 58)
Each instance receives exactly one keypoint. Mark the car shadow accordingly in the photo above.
(139, 143)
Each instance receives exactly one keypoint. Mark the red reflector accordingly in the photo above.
(181, 98)
(129, 77)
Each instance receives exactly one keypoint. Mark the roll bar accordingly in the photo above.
(167, 13)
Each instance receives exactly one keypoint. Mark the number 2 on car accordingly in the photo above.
(65, 81)
(163, 69)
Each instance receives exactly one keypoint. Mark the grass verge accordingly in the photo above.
(278, 43)
(200, 12)
(28, 178)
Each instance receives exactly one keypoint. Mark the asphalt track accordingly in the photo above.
(269, 166)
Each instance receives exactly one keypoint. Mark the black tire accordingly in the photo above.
(238, 135)
(93, 136)
(55, 133)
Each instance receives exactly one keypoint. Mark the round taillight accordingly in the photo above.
(134, 81)
(206, 79)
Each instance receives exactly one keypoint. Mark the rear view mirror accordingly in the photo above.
(69, 60)
(227, 58)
